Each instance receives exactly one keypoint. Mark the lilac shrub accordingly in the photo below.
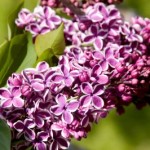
(106, 65)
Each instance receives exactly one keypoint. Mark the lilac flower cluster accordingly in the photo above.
(78, 3)
(41, 21)
(120, 48)
(106, 65)
(48, 106)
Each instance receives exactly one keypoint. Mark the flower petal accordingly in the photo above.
(54, 145)
(98, 43)
(97, 102)
(7, 103)
(85, 101)
(18, 102)
(98, 90)
(37, 86)
(57, 110)
(73, 106)
(40, 146)
(5, 93)
(67, 117)
(64, 144)
(103, 79)
(19, 126)
(86, 88)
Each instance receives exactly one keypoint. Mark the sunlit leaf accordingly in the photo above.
(6, 8)
(12, 28)
(53, 40)
(5, 136)
(30, 4)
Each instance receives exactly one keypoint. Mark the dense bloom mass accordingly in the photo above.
(106, 64)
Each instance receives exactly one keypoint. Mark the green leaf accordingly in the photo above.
(31, 4)
(12, 28)
(49, 57)
(4, 48)
(60, 13)
(6, 7)
(53, 40)
(5, 136)
(30, 58)
(13, 57)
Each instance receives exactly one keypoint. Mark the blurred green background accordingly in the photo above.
(130, 131)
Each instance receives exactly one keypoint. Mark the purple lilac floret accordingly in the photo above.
(40, 21)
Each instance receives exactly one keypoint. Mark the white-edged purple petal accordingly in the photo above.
(86, 88)
(5, 93)
(73, 106)
(42, 66)
(19, 126)
(43, 135)
(61, 100)
(39, 122)
(109, 52)
(98, 43)
(63, 143)
(85, 101)
(40, 146)
(37, 86)
(57, 78)
(98, 90)
(56, 127)
(68, 81)
(57, 110)
(103, 79)
(67, 117)
(97, 102)
(16, 92)
(65, 70)
(85, 121)
(7, 103)
(29, 123)
(18, 102)
(104, 64)
(98, 55)
(54, 145)
(29, 134)
(65, 133)
(113, 62)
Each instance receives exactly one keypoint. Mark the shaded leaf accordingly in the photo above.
(52, 40)
(49, 57)
(4, 48)
(30, 58)
(13, 57)
(5, 136)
